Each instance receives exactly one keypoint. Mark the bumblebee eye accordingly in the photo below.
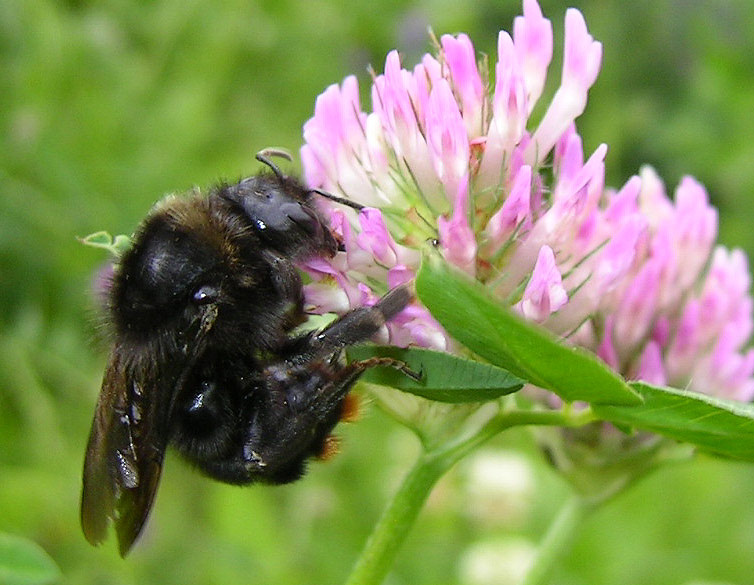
(205, 295)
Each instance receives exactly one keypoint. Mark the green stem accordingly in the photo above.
(396, 521)
(558, 538)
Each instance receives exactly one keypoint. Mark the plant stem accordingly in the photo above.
(558, 538)
(398, 518)
(396, 521)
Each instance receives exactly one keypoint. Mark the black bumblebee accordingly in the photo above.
(203, 307)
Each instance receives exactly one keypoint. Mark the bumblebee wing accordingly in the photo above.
(126, 447)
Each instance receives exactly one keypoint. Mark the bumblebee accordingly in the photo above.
(203, 308)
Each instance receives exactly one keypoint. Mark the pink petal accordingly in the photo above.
(456, 236)
(583, 55)
(515, 211)
(624, 203)
(400, 274)
(619, 253)
(416, 326)
(375, 237)
(446, 137)
(532, 34)
(461, 59)
(508, 124)
(396, 98)
(544, 294)
(581, 64)
(651, 368)
(653, 201)
(509, 104)
(323, 297)
(638, 305)
(606, 350)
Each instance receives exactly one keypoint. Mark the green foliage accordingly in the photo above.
(719, 426)
(105, 107)
(22, 562)
(495, 333)
(444, 377)
(104, 240)
(470, 314)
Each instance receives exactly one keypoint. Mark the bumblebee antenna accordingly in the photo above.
(263, 156)
(336, 199)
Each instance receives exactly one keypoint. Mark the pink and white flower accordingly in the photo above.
(629, 273)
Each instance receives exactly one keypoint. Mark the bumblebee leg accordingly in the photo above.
(402, 367)
(304, 405)
(290, 420)
(287, 419)
(314, 404)
(354, 327)
(291, 404)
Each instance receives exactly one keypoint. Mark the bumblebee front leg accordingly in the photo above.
(362, 365)
(356, 326)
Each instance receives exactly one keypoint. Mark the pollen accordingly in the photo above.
(330, 448)
(351, 408)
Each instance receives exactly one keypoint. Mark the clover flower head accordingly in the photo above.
(444, 154)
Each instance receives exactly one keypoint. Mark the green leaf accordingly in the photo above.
(116, 246)
(719, 426)
(445, 377)
(23, 562)
(475, 318)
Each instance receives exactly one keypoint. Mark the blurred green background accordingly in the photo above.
(105, 106)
